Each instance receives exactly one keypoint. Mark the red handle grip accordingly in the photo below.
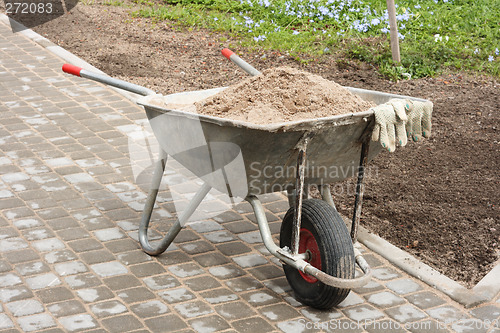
(227, 53)
(71, 69)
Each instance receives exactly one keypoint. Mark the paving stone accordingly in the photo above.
(279, 312)
(279, 285)
(217, 296)
(193, 309)
(233, 248)
(253, 324)
(219, 236)
(5, 322)
(147, 269)
(108, 269)
(96, 257)
(36, 267)
(36, 322)
(385, 273)
(54, 294)
(43, 281)
(403, 286)
(70, 268)
(240, 226)
(46, 245)
(186, 270)
(211, 259)
(205, 226)
(60, 256)
(406, 313)
(197, 247)
(27, 223)
(5, 266)
(36, 234)
(72, 234)
(260, 297)
(185, 235)
(66, 308)
(174, 258)
(9, 279)
(267, 272)
(425, 299)
(250, 260)
(122, 245)
(108, 308)
(176, 295)
(235, 310)
(120, 282)
(202, 283)
(320, 316)
(226, 272)
(79, 322)
(385, 325)
(123, 323)
(350, 300)
(446, 313)
(25, 307)
(105, 235)
(168, 323)
(137, 294)
(469, 326)
(161, 282)
(212, 323)
(20, 256)
(12, 244)
(150, 309)
(82, 281)
(97, 294)
(363, 312)
(487, 312)
(133, 257)
(244, 283)
(385, 299)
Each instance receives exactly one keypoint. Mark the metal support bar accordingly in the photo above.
(148, 210)
(298, 262)
(299, 188)
(327, 195)
(360, 189)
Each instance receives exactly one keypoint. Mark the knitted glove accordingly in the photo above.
(419, 120)
(390, 121)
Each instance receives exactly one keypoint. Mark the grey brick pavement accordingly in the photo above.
(70, 209)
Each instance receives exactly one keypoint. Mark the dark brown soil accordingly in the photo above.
(437, 199)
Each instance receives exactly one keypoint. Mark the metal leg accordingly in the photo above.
(327, 195)
(148, 209)
(360, 189)
(298, 261)
(299, 188)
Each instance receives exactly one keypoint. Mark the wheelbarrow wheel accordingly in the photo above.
(324, 236)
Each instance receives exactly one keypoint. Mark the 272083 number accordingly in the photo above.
(28, 8)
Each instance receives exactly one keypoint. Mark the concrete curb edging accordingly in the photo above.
(484, 291)
(487, 289)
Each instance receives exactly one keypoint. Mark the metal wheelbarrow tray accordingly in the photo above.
(246, 160)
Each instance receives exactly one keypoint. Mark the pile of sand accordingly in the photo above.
(282, 94)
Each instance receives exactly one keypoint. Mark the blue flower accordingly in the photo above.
(491, 58)
(497, 51)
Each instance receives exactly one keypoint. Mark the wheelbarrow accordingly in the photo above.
(246, 160)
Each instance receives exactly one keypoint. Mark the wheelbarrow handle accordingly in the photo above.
(240, 62)
(78, 71)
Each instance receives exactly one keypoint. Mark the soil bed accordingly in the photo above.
(437, 199)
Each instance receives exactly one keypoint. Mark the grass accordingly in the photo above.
(435, 35)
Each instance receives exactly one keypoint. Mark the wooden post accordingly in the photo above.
(391, 8)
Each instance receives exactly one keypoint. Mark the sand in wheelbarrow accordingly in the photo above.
(282, 94)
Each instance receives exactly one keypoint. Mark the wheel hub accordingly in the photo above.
(308, 245)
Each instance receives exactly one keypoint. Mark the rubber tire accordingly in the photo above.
(337, 253)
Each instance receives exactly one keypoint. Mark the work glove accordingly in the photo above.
(419, 119)
(390, 119)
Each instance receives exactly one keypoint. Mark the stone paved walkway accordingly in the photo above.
(70, 209)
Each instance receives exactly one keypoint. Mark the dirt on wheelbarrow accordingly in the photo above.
(437, 199)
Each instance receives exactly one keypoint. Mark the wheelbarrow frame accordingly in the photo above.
(288, 256)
